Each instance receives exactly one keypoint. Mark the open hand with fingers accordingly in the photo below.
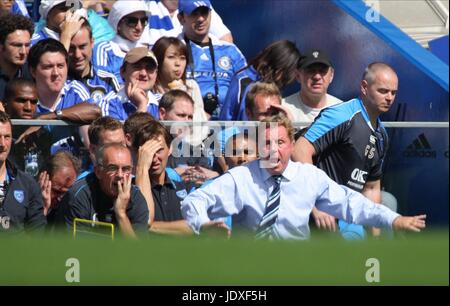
(46, 189)
(413, 224)
(138, 96)
(324, 220)
(147, 152)
(123, 197)
(71, 25)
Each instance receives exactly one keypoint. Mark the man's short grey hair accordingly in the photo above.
(371, 71)
(100, 154)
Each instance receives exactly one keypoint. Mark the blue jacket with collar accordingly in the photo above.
(22, 208)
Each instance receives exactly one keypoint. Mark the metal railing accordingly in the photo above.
(388, 124)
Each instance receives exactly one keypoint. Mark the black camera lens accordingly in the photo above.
(210, 102)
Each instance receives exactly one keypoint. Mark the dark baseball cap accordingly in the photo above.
(314, 56)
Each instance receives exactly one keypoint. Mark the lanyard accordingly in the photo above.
(191, 62)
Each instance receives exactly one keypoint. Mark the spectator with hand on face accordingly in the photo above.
(152, 146)
(57, 176)
(62, 22)
(139, 71)
(107, 195)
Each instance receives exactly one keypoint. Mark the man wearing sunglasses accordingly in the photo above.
(107, 195)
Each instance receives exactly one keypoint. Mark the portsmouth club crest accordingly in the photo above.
(19, 196)
(225, 63)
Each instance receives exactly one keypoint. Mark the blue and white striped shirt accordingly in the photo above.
(228, 61)
(73, 93)
(120, 107)
(99, 83)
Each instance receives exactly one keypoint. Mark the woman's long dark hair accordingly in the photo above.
(277, 63)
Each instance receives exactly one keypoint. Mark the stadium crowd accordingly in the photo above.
(117, 70)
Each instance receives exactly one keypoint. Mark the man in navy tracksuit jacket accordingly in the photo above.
(22, 208)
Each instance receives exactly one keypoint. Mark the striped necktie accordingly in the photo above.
(265, 229)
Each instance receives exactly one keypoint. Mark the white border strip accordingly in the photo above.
(388, 124)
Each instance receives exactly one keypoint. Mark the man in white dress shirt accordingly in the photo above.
(291, 190)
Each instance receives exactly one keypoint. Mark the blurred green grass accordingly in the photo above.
(412, 259)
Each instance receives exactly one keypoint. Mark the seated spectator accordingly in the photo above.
(59, 23)
(133, 123)
(152, 146)
(102, 131)
(59, 98)
(213, 62)
(21, 99)
(274, 64)
(56, 177)
(240, 149)
(129, 19)
(21, 206)
(15, 36)
(98, 81)
(107, 195)
(191, 157)
(315, 73)
(6, 6)
(164, 22)
(139, 71)
(172, 57)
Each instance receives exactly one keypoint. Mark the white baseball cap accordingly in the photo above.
(122, 8)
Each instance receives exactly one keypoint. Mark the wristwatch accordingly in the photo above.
(58, 114)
